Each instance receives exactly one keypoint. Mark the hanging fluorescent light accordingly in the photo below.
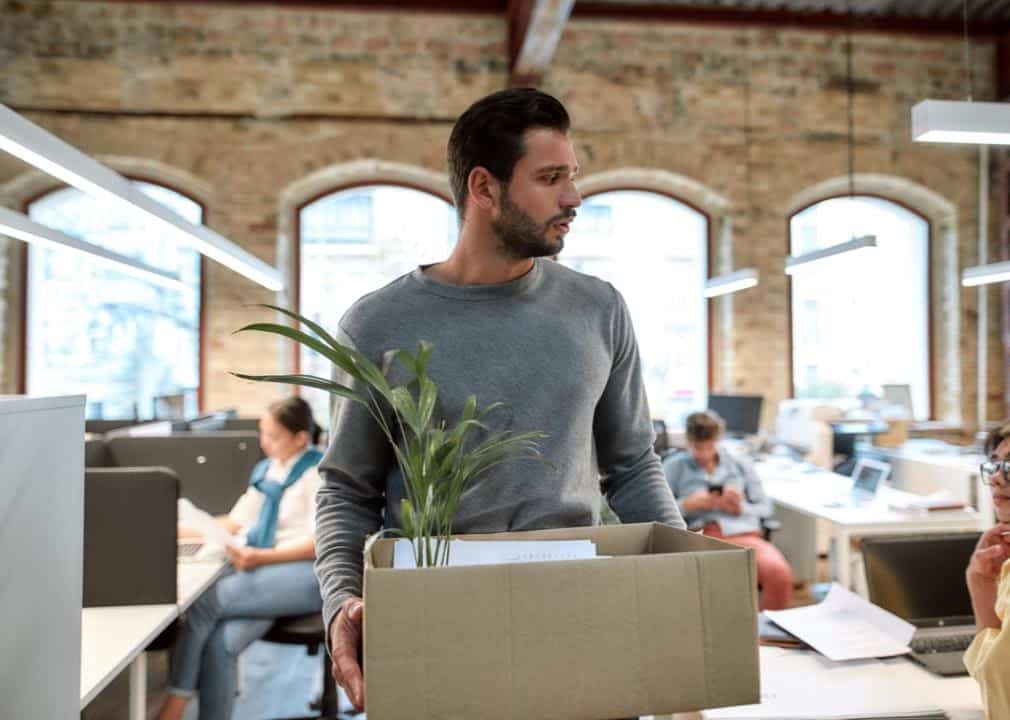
(796, 263)
(986, 274)
(23, 139)
(21, 227)
(948, 121)
(731, 282)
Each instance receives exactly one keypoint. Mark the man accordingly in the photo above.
(507, 325)
(723, 497)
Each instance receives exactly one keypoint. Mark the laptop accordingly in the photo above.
(921, 579)
(867, 477)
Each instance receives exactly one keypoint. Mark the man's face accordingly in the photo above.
(537, 206)
(1001, 486)
(705, 452)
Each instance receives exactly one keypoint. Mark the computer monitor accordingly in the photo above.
(742, 413)
(920, 578)
(868, 475)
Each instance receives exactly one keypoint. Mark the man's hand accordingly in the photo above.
(731, 501)
(983, 573)
(345, 646)
(244, 558)
(699, 501)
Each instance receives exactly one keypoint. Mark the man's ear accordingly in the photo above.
(483, 188)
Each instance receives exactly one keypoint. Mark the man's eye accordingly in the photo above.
(552, 178)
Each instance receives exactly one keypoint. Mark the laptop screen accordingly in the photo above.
(921, 579)
(866, 478)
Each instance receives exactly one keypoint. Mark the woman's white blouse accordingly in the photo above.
(296, 520)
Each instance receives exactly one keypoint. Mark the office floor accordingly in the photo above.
(278, 680)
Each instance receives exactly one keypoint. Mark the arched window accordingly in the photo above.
(654, 250)
(354, 241)
(861, 321)
(132, 346)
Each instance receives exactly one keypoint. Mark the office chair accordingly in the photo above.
(308, 630)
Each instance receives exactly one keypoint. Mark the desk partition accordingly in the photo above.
(41, 529)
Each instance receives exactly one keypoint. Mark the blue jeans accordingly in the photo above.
(236, 611)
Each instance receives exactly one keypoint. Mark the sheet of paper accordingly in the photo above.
(204, 523)
(874, 689)
(499, 552)
(846, 627)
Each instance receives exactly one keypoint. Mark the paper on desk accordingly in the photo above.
(499, 552)
(205, 524)
(941, 500)
(846, 627)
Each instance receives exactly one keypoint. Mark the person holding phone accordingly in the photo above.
(722, 496)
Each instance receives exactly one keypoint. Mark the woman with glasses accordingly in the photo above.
(988, 577)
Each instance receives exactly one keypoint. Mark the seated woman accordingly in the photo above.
(988, 578)
(722, 496)
(270, 576)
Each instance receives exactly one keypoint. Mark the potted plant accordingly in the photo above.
(437, 460)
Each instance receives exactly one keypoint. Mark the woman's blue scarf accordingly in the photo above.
(261, 535)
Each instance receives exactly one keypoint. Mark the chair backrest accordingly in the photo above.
(100, 427)
(130, 536)
(96, 453)
(244, 424)
(213, 468)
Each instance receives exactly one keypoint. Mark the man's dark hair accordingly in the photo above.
(996, 438)
(490, 135)
(705, 425)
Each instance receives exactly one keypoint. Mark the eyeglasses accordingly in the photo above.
(991, 468)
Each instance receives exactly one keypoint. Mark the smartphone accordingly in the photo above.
(715, 489)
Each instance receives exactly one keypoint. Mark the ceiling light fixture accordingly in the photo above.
(21, 227)
(731, 282)
(40, 148)
(986, 274)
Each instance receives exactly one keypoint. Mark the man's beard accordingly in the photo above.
(520, 236)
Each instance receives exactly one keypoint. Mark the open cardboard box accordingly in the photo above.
(667, 624)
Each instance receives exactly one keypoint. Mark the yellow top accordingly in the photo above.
(988, 657)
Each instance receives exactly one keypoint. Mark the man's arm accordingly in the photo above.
(631, 475)
(351, 497)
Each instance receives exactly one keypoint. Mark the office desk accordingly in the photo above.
(815, 494)
(113, 638)
(804, 684)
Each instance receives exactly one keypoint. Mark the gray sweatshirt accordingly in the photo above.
(556, 346)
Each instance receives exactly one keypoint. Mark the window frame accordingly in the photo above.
(709, 243)
(22, 377)
(296, 254)
(930, 321)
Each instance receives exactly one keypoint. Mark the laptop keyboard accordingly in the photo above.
(941, 643)
(189, 549)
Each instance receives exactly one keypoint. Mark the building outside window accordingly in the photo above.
(861, 320)
(123, 341)
(654, 250)
(355, 241)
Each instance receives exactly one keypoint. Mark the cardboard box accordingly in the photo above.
(668, 624)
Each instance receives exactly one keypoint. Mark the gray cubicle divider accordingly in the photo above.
(242, 424)
(213, 468)
(130, 536)
(96, 453)
(41, 519)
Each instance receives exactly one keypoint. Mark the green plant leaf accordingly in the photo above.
(311, 381)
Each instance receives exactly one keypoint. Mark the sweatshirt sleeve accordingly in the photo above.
(631, 475)
(351, 497)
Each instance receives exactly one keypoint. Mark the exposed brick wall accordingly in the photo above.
(251, 101)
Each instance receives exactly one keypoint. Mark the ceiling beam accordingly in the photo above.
(535, 28)
(814, 20)
(1003, 67)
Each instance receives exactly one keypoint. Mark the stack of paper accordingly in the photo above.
(499, 552)
(941, 500)
(846, 627)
